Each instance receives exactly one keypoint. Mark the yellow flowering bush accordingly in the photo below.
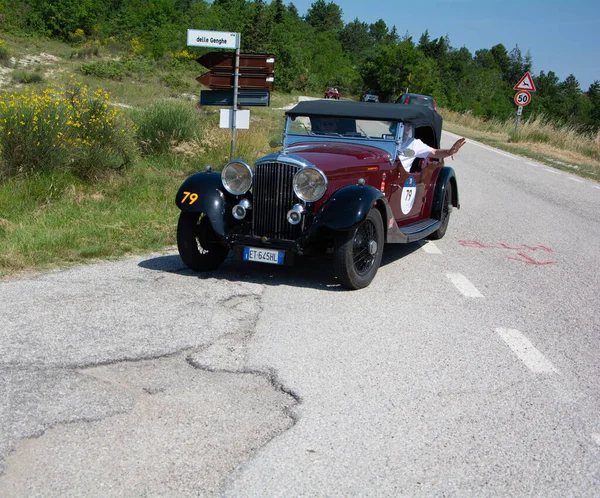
(73, 128)
(184, 55)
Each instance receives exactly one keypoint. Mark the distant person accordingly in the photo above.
(412, 148)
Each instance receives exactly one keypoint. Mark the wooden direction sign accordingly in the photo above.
(220, 81)
(249, 63)
(256, 71)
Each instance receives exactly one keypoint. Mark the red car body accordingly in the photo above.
(332, 93)
(338, 185)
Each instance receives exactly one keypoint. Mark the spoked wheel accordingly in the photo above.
(357, 253)
(445, 215)
(198, 244)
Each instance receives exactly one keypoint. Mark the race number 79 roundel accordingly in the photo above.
(409, 192)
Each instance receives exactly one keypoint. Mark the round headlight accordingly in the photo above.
(310, 184)
(236, 177)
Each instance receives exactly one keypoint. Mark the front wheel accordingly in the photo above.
(445, 215)
(198, 244)
(357, 253)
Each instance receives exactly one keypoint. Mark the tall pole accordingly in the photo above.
(236, 76)
(519, 112)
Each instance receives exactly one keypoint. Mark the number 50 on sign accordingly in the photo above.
(522, 98)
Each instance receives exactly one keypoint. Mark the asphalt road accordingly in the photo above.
(469, 367)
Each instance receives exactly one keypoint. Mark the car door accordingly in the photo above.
(409, 190)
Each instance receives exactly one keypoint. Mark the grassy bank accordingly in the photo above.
(559, 146)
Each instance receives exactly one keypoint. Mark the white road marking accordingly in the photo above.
(551, 171)
(533, 164)
(526, 351)
(596, 437)
(575, 179)
(430, 247)
(463, 285)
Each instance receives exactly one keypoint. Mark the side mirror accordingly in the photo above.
(275, 143)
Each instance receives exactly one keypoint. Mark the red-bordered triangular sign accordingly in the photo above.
(525, 83)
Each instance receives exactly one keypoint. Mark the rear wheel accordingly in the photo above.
(357, 253)
(445, 214)
(198, 244)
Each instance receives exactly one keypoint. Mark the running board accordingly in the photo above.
(414, 232)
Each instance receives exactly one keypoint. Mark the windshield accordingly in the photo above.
(342, 127)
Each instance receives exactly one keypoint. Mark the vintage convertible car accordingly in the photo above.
(337, 186)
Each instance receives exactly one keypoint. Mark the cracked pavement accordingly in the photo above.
(127, 379)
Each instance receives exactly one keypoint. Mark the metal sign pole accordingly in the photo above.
(519, 112)
(236, 76)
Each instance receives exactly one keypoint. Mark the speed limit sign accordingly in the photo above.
(522, 98)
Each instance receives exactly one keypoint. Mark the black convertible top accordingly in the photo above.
(417, 115)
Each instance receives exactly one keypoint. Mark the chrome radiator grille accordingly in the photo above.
(273, 196)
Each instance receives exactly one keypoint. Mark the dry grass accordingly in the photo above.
(558, 146)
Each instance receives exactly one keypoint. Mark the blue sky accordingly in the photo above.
(562, 36)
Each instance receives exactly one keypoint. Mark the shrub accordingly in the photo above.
(175, 81)
(86, 51)
(72, 129)
(104, 69)
(26, 77)
(4, 54)
(164, 124)
(119, 69)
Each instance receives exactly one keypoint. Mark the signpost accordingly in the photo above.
(228, 72)
(246, 98)
(523, 95)
(525, 83)
(212, 39)
(221, 81)
(522, 98)
(224, 61)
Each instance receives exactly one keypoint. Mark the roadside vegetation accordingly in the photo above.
(561, 146)
(93, 151)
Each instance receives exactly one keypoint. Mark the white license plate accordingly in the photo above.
(264, 255)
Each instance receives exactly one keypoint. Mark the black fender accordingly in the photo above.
(204, 193)
(446, 176)
(349, 206)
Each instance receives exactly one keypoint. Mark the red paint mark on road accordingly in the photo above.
(523, 258)
(526, 259)
(478, 245)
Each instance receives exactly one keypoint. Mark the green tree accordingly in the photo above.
(356, 40)
(379, 31)
(257, 33)
(325, 16)
(593, 95)
(500, 55)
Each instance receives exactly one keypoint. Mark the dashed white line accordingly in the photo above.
(533, 164)
(551, 171)
(575, 179)
(430, 248)
(526, 351)
(596, 437)
(465, 287)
